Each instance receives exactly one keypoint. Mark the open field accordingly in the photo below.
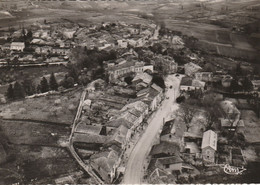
(42, 164)
(30, 133)
(44, 108)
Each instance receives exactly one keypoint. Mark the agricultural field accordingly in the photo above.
(59, 108)
(36, 164)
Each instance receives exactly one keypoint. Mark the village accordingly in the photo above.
(128, 75)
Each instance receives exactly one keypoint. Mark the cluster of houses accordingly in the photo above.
(178, 152)
(110, 119)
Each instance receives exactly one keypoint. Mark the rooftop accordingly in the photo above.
(187, 81)
(209, 139)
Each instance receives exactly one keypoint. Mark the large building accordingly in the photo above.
(209, 146)
(126, 67)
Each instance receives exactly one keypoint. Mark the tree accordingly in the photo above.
(10, 92)
(158, 80)
(53, 83)
(28, 87)
(186, 113)
(18, 91)
(44, 85)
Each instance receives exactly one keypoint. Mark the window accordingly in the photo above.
(167, 166)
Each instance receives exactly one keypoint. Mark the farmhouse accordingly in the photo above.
(209, 146)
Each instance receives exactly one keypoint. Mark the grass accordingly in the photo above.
(36, 162)
(44, 108)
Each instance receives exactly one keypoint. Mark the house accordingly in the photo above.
(105, 163)
(122, 43)
(170, 164)
(186, 84)
(191, 148)
(88, 129)
(165, 149)
(204, 76)
(120, 137)
(159, 176)
(226, 81)
(139, 105)
(115, 123)
(172, 132)
(142, 77)
(86, 104)
(43, 50)
(230, 124)
(256, 84)
(191, 68)
(197, 84)
(6, 46)
(17, 46)
(171, 66)
(209, 146)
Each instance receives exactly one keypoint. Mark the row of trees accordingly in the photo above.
(20, 90)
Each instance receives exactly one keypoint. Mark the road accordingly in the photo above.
(134, 170)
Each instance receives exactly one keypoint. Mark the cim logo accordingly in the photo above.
(231, 170)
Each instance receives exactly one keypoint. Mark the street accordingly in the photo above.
(134, 170)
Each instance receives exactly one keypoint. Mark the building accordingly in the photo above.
(209, 146)
(122, 43)
(226, 81)
(170, 164)
(105, 163)
(204, 76)
(256, 85)
(123, 68)
(171, 66)
(191, 68)
(186, 84)
(17, 46)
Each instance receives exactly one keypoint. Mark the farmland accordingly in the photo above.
(44, 108)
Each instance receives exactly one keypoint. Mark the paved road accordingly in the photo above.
(134, 170)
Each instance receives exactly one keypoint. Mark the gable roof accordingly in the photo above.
(170, 160)
(187, 81)
(167, 127)
(145, 77)
(156, 87)
(165, 148)
(209, 139)
(84, 128)
(89, 138)
(120, 121)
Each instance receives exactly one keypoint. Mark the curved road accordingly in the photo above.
(134, 170)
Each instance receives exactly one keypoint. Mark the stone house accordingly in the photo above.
(209, 146)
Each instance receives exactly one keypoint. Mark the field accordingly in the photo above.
(44, 108)
(37, 163)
